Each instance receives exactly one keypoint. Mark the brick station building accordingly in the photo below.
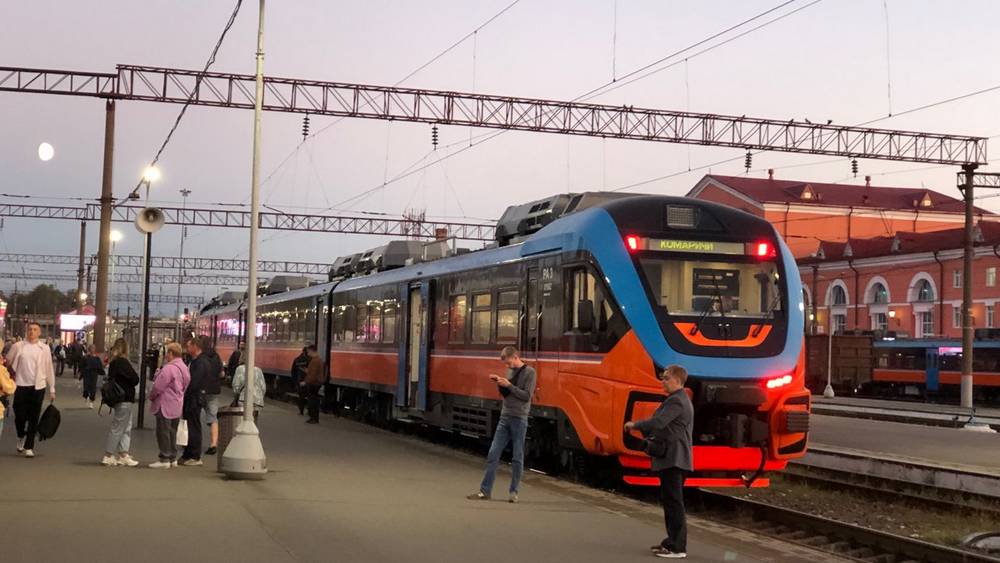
(871, 257)
(807, 212)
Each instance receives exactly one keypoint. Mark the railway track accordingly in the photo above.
(850, 541)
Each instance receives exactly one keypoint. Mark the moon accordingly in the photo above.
(46, 152)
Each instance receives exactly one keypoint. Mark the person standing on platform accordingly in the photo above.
(517, 389)
(212, 387)
(234, 361)
(314, 380)
(92, 368)
(7, 388)
(166, 402)
(298, 372)
(59, 355)
(76, 357)
(259, 386)
(119, 440)
(194, 401)
(668, 434)
(31, 362)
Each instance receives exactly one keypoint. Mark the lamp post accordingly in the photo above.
(116, 236)
(148, 221)
(244, 457)
(180, 267)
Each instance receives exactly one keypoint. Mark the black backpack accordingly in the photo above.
(49, 423)
(112, 393)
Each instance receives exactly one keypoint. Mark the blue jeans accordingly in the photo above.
(512, 430)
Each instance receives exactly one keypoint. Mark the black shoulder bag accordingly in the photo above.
(513, 381)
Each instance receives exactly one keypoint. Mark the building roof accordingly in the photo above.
(987, 233)
(770, 190)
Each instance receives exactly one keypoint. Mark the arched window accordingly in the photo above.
(880, 295)
(925, 291)
(839, 295)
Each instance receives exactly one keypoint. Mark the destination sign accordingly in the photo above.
(696, 246)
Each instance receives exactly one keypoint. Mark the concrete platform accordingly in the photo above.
(950, 447)
(339, 491)
(931, 414)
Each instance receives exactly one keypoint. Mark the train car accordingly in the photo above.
(923, 368)
(604, 292)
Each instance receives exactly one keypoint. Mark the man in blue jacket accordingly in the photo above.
(668, 434)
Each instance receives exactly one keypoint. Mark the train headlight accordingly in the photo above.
(777, 382)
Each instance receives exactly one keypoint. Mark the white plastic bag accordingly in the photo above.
(182, 433)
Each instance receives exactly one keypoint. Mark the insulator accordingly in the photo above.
(305, 127)
(749, 161)
(854, 167)
(434, 136)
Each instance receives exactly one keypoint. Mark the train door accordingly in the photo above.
(531, 320)
(415, 366)
(933, 369)
(321, 327)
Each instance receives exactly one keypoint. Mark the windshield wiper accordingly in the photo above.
(771, 308)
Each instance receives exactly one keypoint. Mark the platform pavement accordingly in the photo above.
(931, 414)
(339, 491)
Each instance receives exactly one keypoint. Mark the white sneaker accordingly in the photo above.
(160, 465)
(127, 461)
(173, 463)
(193, 463)
(90, 405)
(20, 445)
(109, 461)
(29, 453)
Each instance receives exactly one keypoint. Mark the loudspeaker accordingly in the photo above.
(149, 220)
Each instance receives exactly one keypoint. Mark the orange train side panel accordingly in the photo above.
(889, 375)
(367, 366)
(272, 359)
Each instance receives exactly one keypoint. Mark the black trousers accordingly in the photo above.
(313, 392)
(89, 385)
(672, 499)
(303, 399)
(193, 417)
(27, 408)
(166, 437)
(60, 366)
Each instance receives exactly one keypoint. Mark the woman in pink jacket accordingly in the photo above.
(166, 400)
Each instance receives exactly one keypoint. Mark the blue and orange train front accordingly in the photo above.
(712, 289)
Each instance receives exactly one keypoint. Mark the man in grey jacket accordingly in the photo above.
(516, 388)
(668, 432)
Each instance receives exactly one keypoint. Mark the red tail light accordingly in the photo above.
(632, 243)
(776, 382)
(764, 249)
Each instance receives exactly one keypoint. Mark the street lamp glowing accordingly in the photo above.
(151, 174)
(116, 236)
(46, 152)
(892, 314)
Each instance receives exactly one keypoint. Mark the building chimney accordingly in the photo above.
(868, 181)
(770, 173)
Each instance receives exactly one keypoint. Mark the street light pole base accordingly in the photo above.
(244, 457)
(828, 392)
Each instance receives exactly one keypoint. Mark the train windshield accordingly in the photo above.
(706, 287)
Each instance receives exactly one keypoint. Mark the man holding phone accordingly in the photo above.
(516, 387)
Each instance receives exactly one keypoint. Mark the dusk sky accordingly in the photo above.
(834, 59)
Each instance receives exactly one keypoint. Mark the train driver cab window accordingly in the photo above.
(457, 312)
(482, 317)
(588, 309)
(508, 310)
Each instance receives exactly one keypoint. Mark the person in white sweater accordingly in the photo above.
(30, 360)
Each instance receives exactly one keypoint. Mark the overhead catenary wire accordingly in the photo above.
(194, 91)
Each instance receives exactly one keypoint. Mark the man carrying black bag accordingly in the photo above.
(668, 442)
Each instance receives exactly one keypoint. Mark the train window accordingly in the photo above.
(361, 335)
(482, 317)
(456, 318)
(508, 311)
(375, 323)
(310, 331)
(348, 323)
(582, 288)
(389, 322)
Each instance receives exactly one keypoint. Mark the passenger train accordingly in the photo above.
(599, 291)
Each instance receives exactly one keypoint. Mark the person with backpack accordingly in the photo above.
(166, 402)
(91, 370)
(59, 355)
(517, 389)
(211, 388)
(31, 362)
(668, 436)
(119, 394)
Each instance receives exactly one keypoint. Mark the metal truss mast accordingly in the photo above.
(216, 89)
(174, 263)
